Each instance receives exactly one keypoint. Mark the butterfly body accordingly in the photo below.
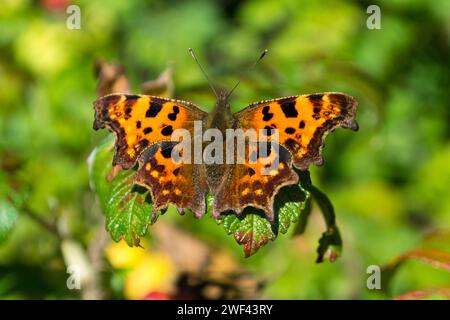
(220, 118)
(144, 125)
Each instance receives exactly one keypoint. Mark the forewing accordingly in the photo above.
(303, 122)
(138, 121)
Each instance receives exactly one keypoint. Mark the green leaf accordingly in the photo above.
(8, 217)
(253, 230)
(127, 207)
(330, 243)
(290, 203)
(300, 227)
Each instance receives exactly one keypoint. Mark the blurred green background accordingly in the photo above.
(389, 182)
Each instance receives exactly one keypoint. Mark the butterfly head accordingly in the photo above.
(222, 100)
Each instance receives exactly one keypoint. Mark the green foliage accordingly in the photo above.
(252, 231)
(8, 217)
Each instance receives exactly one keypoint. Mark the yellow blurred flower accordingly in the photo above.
(155, 272)
(147, 271)
(121, 256)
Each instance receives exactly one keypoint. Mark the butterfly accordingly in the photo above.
(143, 126)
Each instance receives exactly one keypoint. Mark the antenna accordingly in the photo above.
(250, 68)
(203, 71)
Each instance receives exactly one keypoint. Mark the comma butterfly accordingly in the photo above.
(144, 124)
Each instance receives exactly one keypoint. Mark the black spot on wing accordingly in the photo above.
(127, 112)
(288, 108)
(315, 99)
(302, 124)
(154, 108)
(289, 130)
(167, 131)
(175, 111)
(167, 152)
(268, 131)
(266, 114)
(176, 171)
(147, 130)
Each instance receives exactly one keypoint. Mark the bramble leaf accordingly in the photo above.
(127, 207)
(290, 203)
(253, 230)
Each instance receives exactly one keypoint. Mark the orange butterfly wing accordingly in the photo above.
(143, 126)
(303, 122)
(138, 121)
(181, 184)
